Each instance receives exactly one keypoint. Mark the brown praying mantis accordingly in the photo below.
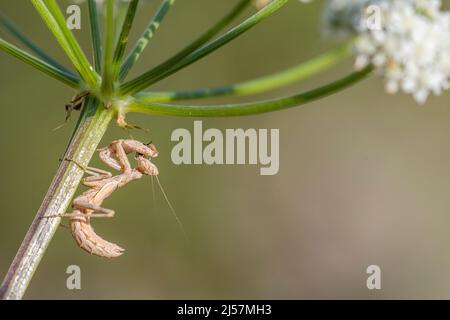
(101, 185)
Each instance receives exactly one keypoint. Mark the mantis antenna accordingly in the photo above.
(180, 224)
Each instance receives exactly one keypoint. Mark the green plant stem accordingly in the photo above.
(87, 72)
(153, 76)
(270, 82)
(107, 79)
(246, 108)
(197, 43)
(92, 126)
(56, 22)
(95, 35)
(145, 38)
(67, 78)
(123, 38)
(14, 30)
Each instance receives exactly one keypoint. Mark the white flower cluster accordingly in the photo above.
(408, 41)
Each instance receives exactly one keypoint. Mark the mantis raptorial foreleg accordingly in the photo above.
(106, 155)
(115, 155)
(121, 156)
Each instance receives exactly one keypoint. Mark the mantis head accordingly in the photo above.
(145, 166)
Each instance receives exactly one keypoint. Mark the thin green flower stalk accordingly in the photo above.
(53, 17)
(51, 70)
(108, 77)
(243, 109)
(271, 82)
(156, 75)
(200, 41)
(145, 38)
(123, 39)
(14, 30)
(95, 35)
(109, 96)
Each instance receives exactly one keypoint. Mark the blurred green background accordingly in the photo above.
(364, 178)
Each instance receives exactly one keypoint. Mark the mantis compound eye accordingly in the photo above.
(154, 152)
(138, 155)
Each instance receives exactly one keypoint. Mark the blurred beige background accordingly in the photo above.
(364, 179)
